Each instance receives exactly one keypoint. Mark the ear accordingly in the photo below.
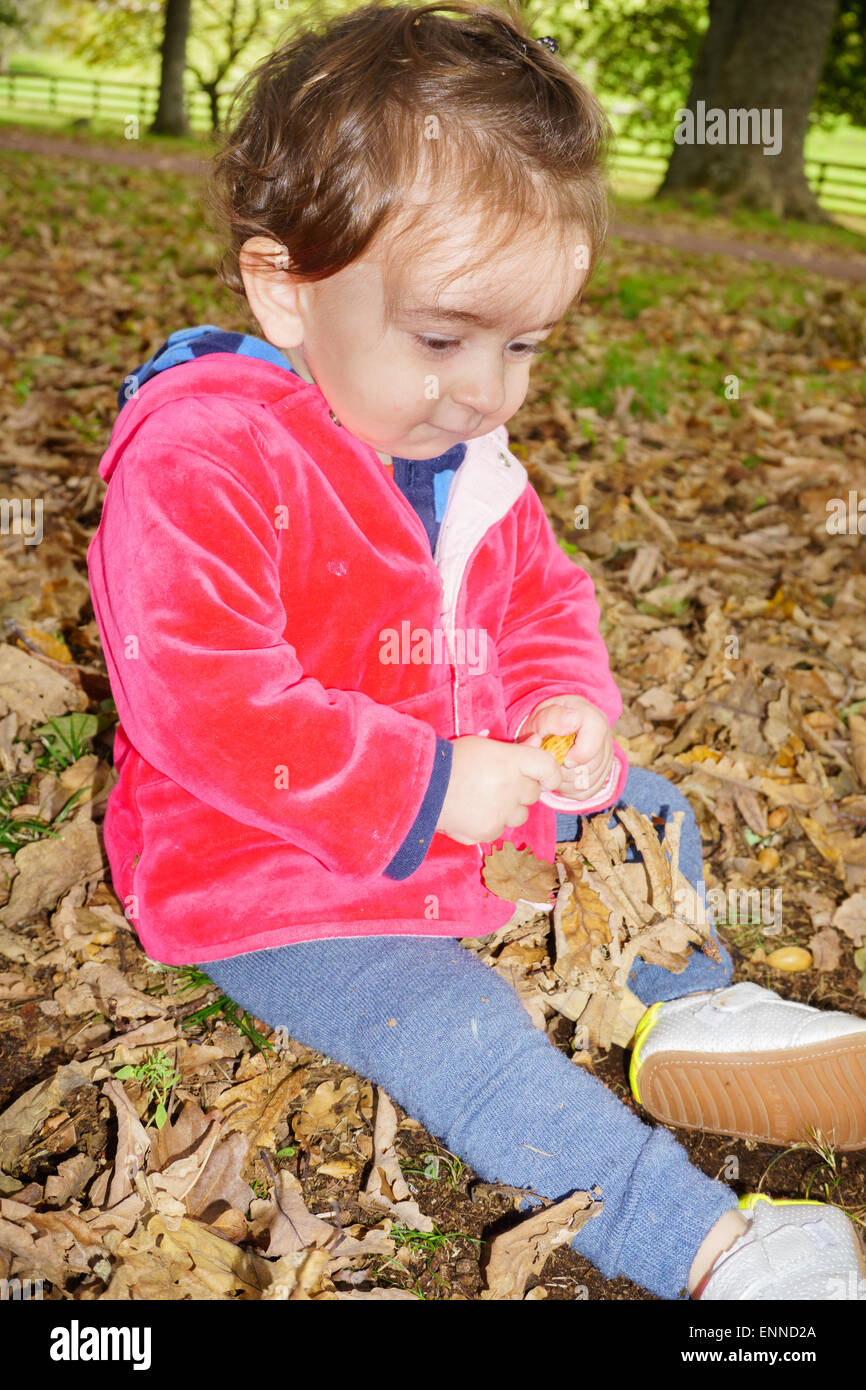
(273, 294)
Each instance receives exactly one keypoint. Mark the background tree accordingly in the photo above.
(171, 117)
(764, 54)
(842, 89)
(226, 32)
(18, 19)
(649, 59)
(212, 40)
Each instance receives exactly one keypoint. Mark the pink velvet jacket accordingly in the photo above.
(260, 586)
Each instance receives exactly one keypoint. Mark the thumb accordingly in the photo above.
(540, 766)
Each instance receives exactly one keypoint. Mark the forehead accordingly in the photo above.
(531, 279)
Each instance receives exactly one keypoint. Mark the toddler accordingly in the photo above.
(338, 626)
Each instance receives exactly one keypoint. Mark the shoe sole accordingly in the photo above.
(782, 1097)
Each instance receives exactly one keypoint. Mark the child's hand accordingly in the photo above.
(492, 786)
(588, 761)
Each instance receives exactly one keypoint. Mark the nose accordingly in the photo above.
(480, 387)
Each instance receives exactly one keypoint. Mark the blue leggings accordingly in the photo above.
(465, 1059)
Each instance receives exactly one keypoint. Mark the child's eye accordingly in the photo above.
(442, 345)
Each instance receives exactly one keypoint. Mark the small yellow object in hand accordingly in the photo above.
(558, 745)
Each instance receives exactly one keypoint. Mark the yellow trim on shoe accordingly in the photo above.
(751, 1200)
(641, 1034)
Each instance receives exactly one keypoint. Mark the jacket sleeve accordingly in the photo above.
(550, 643)
(186, 591)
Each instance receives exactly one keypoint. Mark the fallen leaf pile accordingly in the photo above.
(719, 530)
(607, 912)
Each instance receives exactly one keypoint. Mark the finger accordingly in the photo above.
(592, 788)
(593, 768)
(596, 757)
(590, 742)
(528, 791)
(517, 817)
(560, 719)
(540, 766)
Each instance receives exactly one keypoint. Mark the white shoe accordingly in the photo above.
(742, 1061)
(803, 1251)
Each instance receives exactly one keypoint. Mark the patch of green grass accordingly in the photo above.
(425, 1242)
(825, 1176)
(620, 368)
(66, 738)
(189, 977)
(452, 1167)
(847, 385)
(16, 831)
(158, 1076)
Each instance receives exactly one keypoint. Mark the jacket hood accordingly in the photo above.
(214, 350)
(189, 343)
(206, 361)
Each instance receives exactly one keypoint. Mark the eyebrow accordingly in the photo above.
(421, 312)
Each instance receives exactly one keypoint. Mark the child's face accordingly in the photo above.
(403, 396)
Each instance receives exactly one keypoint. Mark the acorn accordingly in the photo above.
(558, 745)
(768, 860)
(790, 958)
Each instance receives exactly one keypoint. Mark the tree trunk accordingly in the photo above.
(171, 118)
(214, 99)
(763, 57)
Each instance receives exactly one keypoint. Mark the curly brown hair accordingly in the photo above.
(342, 120)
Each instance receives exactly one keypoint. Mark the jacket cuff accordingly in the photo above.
(416, 844)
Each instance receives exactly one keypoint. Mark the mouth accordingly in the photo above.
(455, 434)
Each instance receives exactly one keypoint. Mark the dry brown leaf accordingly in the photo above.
(820, 907)
(34, 691)
(333, 1110)
(522, 1251)
(70, 1179)
(18, 987)
(256, 1106)
(114, 994)
(386, 1187)
(516, 875)
(16, 947)
(581, 922)
(133, 1142)
(219, 1185)
(819, 838)
(290, 1228)
(131, 1048)
(220, 1264)
(826, 949)
(650, 911)
(790, 793)
(29, 1112)
(850, 917)
(48, 868)
(857, 730)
